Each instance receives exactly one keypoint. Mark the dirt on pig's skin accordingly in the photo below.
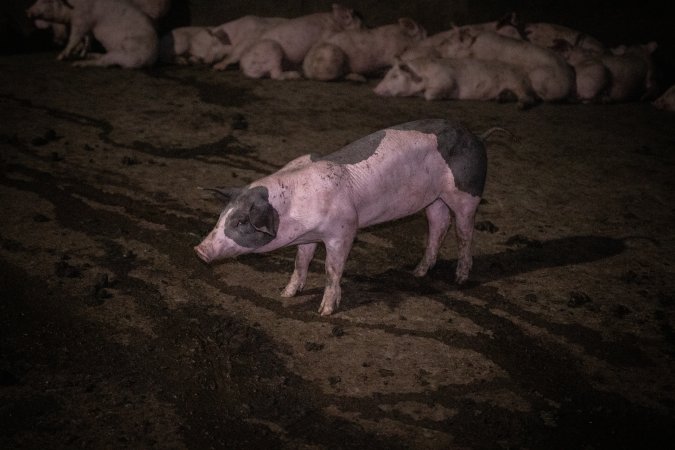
(114, 335)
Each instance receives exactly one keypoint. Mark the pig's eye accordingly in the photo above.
(243, 221)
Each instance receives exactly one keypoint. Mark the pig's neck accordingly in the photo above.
(63, 15)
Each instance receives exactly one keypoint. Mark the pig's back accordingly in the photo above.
(400, 170)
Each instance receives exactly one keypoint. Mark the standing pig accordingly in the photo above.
(360, 52)
(193, 45)
(462, 78)
(432, 164)
(549, 74)
(127, 34)
(242, 33)
(666, 101)
(288, 43)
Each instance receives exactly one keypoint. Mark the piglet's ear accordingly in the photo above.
(221, 35)
(264, 218)
(224, 194)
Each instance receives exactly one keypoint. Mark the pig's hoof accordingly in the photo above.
(325, 310)
(290, 291)
(460, 279)
(420, 271)
(328, 307)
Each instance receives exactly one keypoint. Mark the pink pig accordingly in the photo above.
(359, 52)
(127, 34)
(461, 78)
(241, 34)
(193, 45)
(549, 74)
(286, 44)
(434, 164)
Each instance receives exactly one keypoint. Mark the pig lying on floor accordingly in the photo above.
(435, 165)
(285, 45)
(127, 34)
(194, 45)
(457, 78)
(359, 52)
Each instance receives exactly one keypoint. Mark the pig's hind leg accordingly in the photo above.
(464, 208)
(114, 58)
(302, 260)
(78, 37)
(438, 217)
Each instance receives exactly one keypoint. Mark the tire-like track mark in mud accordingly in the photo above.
(227, 151)
(531, 363)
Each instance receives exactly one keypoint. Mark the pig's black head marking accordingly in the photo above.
(224, 194)
(357, 151)
(252, 221)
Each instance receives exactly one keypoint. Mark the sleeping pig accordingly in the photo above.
(359, 52)
(285, 45)
(433, 164)
(457, 78)
(193, 45)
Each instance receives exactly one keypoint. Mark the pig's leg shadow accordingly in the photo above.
(522, 255)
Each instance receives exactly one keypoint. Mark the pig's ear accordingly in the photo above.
(224, 194)
(410, 71)
(264, 218)
(411, 27)
(505, 20)
(651, 46)
(342, 14)
(619, 50)
(221, 35)
(561, 45)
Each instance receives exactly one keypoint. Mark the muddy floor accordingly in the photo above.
(114, 335)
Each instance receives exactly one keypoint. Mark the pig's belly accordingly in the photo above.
(391, 202)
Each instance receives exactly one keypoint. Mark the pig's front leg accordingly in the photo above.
(438, 217)
(337, 251)
(302, 260)
(78, 31)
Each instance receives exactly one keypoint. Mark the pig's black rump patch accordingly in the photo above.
(462, 151)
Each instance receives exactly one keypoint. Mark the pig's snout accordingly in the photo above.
(203, 253)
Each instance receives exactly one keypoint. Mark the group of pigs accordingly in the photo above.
(500, 60)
